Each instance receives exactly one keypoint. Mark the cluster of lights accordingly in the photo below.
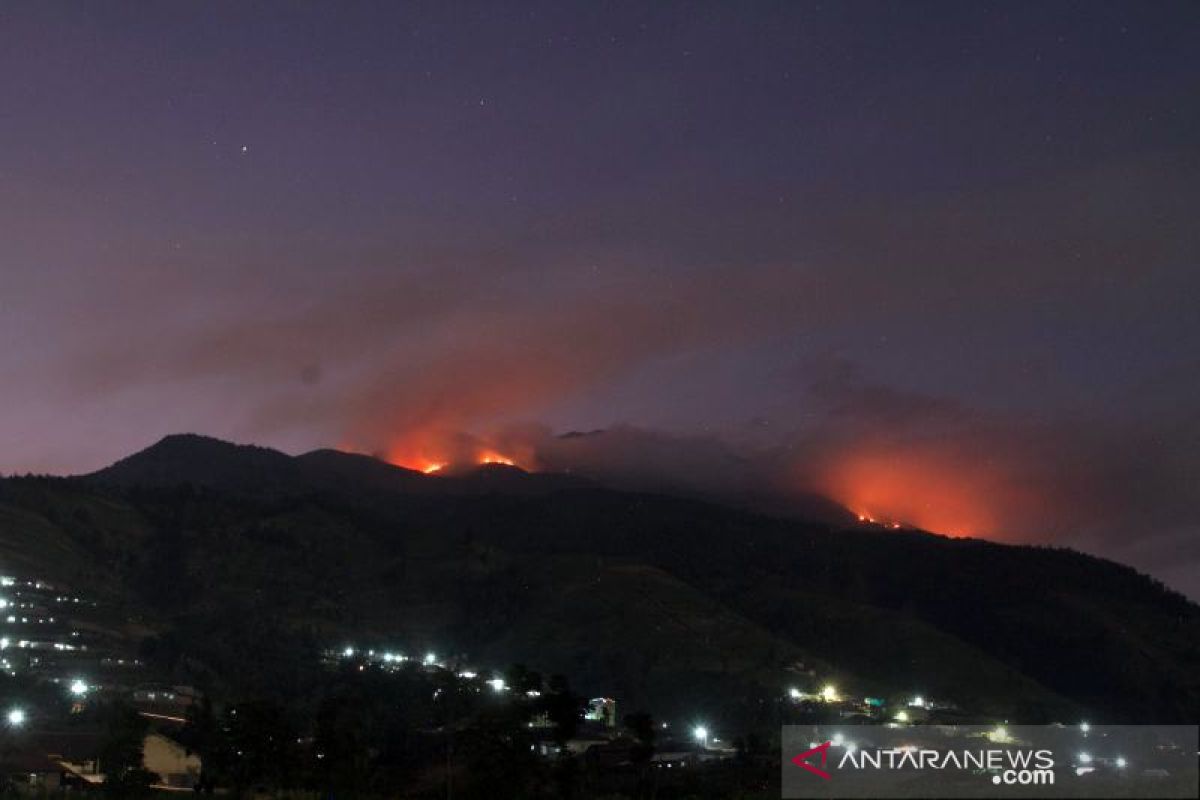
(430, 659)
(839, 740)
(828, 694)
(870, 520)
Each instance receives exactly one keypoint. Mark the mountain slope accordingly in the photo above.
(250, 470)
(666, 600)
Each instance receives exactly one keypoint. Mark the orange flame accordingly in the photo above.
(496, 458)
(921, 489)
(436, 451)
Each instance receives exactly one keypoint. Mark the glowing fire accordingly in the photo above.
(912, 489)
(868, 519)
(439, 452)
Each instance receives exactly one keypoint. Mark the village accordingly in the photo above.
(61, 659)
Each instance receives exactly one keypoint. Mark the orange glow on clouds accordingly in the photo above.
(436, 452)
(920, 489)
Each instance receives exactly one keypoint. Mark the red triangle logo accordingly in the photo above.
(801, 760)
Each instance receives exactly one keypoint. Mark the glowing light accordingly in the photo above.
(794, 693)
(1121, 762)
(838, 739)
(498, 684)
(78, 688)
(496, 458)
(999, 735)
(1085, 758)
(1083, 726)
(348, 652)
(923, 487)
(16, 717)
(700, 734)
(918, 702)
(430, 658)
(901, 716)
(829, 693)
(430, 469)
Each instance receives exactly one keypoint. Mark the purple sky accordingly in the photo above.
(938, 259)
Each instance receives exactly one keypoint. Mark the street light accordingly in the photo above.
(700, 733)
(78, 687)
(16, 718)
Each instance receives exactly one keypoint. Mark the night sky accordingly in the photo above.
(940, 261)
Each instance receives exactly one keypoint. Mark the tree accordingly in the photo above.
(125, 775)
(205, 734)
(641, 726)
(563, 708)
(259, 744)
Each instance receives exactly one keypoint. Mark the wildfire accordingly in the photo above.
(893, 489)
(435, 452)
(867, 519)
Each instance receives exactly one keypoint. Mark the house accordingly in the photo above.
(75, 752)
(173, 763)
(75, 756)
(33, 770)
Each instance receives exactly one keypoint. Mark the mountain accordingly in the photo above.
(243, 561)
(249, 470)
(204, 461)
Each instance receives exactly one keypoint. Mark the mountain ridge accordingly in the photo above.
(620, 588)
